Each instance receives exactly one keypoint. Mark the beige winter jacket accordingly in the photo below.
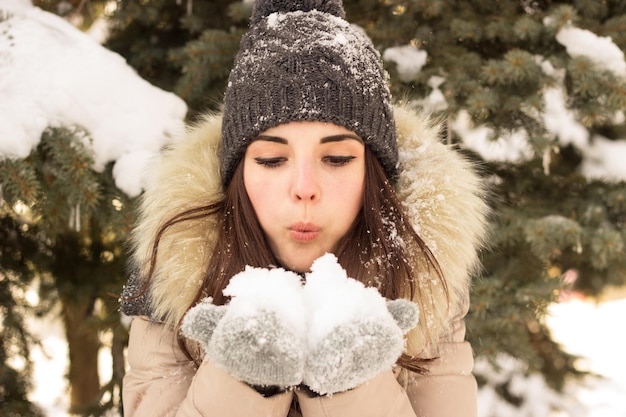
(445, 200)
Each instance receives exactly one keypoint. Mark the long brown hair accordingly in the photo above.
(381, 249)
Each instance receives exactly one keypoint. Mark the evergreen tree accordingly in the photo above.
(63, 227)
(16, 275)
(549, 218)
(187, 48)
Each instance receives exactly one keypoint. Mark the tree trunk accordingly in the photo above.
(84, 344)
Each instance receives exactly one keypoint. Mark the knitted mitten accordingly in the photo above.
(354, 334)
(259, 336)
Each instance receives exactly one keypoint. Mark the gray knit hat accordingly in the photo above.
(301, 61)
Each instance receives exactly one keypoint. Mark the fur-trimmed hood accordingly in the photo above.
(439, 188)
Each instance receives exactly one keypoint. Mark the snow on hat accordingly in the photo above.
(301, 61)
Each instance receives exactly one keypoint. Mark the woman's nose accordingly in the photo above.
(306, 183)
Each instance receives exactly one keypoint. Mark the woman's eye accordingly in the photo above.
(270, 162)
(338, 160)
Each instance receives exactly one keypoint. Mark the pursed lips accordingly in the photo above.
(304, 232)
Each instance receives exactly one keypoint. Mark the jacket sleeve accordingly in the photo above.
(161, 381)
(449, 388)
(382, 396)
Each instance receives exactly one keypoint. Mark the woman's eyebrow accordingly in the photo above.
(276, 139)
(338, 138)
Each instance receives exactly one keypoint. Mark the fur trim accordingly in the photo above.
(445, 200)
(439, 188)
(186, 175)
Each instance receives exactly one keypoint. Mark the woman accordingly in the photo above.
(308, 157)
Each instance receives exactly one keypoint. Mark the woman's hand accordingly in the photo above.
(259, 336)
(353, 333)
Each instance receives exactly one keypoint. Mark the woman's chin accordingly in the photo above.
(300, 264)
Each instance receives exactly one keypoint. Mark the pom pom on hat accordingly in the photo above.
(264, 8)
(301, 61)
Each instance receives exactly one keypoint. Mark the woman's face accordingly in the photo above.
(305, 182)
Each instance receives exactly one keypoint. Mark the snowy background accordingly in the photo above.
(129, 121)
(52, 74)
